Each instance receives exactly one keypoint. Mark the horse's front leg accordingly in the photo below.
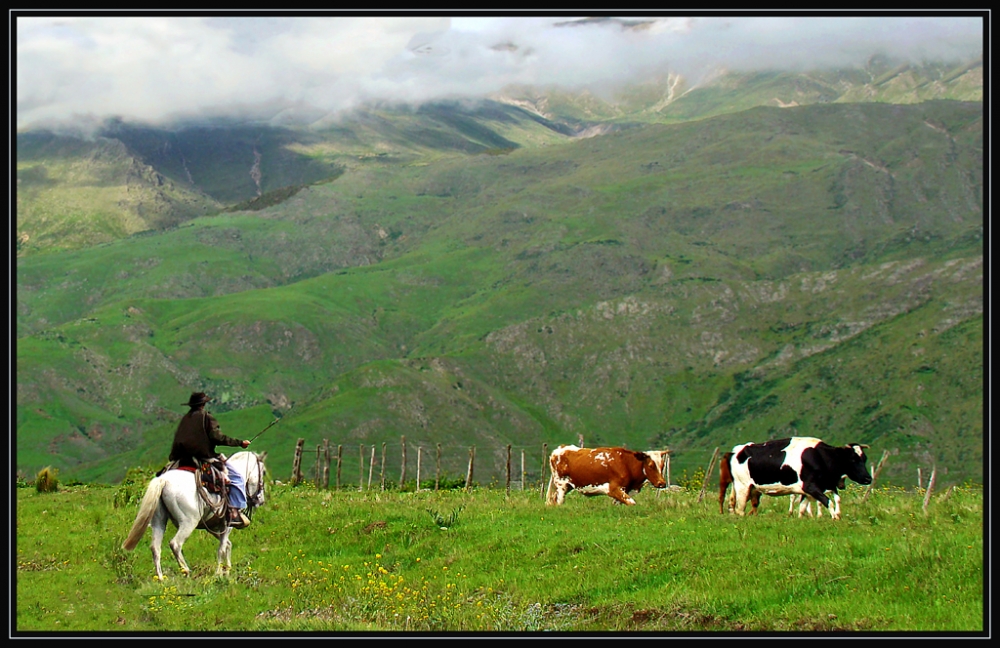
(223, 556)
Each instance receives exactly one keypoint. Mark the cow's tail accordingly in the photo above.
(725, 479)
(146, 509)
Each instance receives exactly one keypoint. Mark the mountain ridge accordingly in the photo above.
(813, 269)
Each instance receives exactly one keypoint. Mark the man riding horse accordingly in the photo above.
(198, 433)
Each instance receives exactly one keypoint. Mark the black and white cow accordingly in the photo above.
(795, 466)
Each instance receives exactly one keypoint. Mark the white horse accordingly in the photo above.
(174, 496)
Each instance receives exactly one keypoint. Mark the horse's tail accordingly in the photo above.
(146, 509)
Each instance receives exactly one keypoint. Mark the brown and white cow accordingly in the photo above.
(614, 472)
(660, 459)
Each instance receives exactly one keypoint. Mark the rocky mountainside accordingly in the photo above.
(485, 274)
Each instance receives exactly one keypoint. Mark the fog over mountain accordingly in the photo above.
(83, 69)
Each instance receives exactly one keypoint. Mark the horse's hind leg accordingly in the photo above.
(184, 530)
(158, 525)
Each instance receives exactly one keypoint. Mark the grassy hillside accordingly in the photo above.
(812, 270)
(73, 193)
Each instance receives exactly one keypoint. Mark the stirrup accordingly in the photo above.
(237, 520)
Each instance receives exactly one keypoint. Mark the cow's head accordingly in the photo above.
(856, 468)
(652, 472)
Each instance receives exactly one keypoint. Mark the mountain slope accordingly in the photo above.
(811, 270)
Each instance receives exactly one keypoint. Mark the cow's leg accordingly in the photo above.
(742, 493)
(803, 505)
(619, 494)
(836, 504)
(814, 491)
(754, 500)
(562, 486)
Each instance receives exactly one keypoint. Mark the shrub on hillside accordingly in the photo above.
(695, 481)
(133, 487)
(47, 480)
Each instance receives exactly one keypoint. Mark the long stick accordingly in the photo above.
(264, 430)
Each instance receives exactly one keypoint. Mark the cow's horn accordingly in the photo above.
(862, 445)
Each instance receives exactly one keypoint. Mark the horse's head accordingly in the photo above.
(251, 466)
(256, 493)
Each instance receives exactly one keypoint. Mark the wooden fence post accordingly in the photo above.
(708, 473)
(930, 487)
(524, 475)
(668, 468)
(381, 468)
(402, 470)
(371, 467)
(361, 469)
(319, 470)
(326, 464)
(878, 469)
(437, 469)
(297, 462)
(340, 459)
(420, 452)
(468, 475)
(508, 470)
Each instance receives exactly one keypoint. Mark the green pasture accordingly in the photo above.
(492, 561)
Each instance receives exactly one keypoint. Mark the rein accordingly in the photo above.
(260, 484)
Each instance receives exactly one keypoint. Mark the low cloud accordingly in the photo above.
(158, 69)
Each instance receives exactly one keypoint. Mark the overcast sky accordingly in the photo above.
(155, 68)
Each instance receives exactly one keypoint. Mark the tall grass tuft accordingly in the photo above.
(47, 480)
(132, 487)
(445, 522)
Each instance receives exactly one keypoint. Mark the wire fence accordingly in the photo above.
(421, 465)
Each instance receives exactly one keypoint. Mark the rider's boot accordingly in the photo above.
(236, 519)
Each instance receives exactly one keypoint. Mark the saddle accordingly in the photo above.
(213, 488)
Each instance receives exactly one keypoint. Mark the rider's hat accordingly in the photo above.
(198, 398)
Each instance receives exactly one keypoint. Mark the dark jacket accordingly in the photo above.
(196, 437)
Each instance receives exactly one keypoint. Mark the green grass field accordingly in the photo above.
(485, 560)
